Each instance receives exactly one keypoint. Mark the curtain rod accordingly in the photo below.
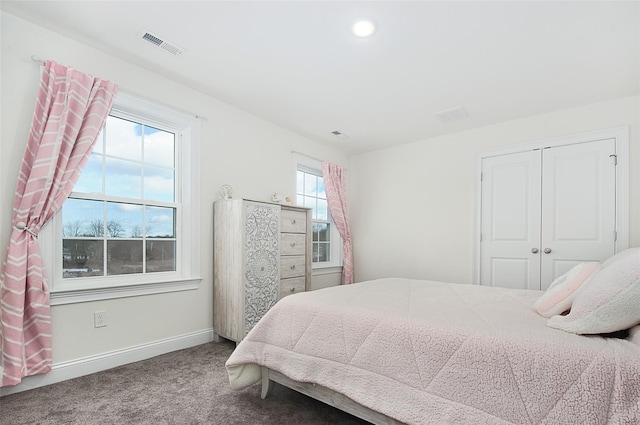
(312, 157)
(308, 156)
(37, 60)
(42, 62)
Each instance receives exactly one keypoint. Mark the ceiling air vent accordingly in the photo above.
(453, 114)
(339, 134)
(160, 42)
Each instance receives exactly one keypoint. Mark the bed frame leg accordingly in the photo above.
(267, 384)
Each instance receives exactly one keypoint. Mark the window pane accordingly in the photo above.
(82, 258)
(323, 252)
(82, 218)
(321, 192)
(159, 147)
(123, 139)
(322, 212)
(125, 257)
(123, 178)
(323, 232)
(300, 182)
(160, 222)
(124, 220)
(161, 256)
(310, 184)
(310, 202)
(91, 178)
(159, 183)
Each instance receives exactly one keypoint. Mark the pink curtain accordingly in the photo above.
(70, 110)
(335, 187)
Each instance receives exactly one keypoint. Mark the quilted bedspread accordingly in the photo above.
(426, 352)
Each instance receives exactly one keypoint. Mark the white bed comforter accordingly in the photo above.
(437, 353)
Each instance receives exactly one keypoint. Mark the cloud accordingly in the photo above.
(161, 219)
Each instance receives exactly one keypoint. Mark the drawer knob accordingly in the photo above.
(293, 244)
(293, 221)
(292, 289)
(293, 266)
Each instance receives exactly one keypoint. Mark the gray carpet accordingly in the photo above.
(184, 387)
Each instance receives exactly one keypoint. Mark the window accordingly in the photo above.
(310, 192)
(130, 222)
(120, 218)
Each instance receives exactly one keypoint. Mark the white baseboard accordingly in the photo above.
(88, 365)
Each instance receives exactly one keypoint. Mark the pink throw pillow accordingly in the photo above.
(609, 301)
(559, 296)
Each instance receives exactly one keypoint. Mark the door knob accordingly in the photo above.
(534, 250)
(547, 250)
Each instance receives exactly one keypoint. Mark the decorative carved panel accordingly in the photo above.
(262, 260)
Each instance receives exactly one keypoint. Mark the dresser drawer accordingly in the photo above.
(293, 221)
(291, 286)
(292, 266)
(292, 244)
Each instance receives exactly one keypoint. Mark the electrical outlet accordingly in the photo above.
(100, 319)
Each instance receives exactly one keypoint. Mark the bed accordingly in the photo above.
(423, 352)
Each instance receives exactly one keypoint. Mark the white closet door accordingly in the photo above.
(510, 223)
(578, 206)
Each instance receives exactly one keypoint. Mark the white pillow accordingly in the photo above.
(609, 301)
(622, 256)
(560, 295)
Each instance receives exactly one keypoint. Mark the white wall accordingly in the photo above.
(237, 148)
(412, 207)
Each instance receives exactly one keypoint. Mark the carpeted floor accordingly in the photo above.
(184, 387)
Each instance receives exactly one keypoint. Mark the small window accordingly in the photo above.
(310, 193)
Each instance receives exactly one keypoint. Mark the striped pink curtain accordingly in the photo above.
(70, 111)
(336, 189)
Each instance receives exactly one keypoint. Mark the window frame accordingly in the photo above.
(187, 274)
(314, 166)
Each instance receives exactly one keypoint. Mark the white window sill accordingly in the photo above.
(95, 294)
(319, 270)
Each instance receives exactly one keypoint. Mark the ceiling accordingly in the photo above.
(295, 63)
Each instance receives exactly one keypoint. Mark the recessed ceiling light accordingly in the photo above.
(363, 27)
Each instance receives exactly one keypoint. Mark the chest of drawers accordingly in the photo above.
(262, 252)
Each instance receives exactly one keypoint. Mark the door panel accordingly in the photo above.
(578, 206)
(510, 221)
(511, 272)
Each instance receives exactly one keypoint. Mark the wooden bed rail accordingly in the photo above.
(325, 395)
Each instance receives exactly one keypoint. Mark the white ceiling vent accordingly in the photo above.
(162, 43)
(453, 114)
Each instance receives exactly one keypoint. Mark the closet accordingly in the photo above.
(261, 253)
(545, 210)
